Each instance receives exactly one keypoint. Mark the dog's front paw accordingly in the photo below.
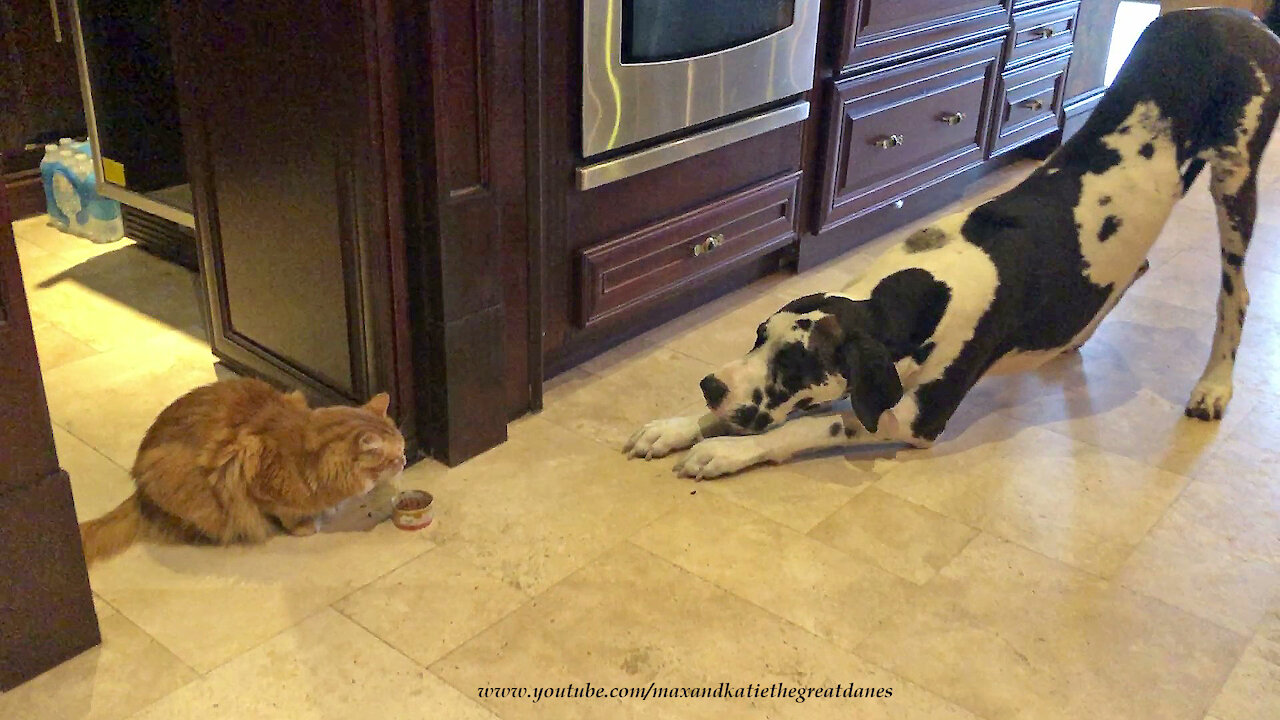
(663, 437)
(720, 456)
(1209, 400)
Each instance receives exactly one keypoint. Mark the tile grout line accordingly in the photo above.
(95, 450)
(433, 547)
(425, 668)
(828, 641)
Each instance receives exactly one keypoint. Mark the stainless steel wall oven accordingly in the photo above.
(652, 68)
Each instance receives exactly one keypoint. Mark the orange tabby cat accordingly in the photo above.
(233, 461)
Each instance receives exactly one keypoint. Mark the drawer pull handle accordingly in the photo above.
(951, 118)
(707, 245)
(892, 141)
(1045, 33)
(1033, 104)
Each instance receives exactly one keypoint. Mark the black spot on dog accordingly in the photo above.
(757, 397)
(804, 404)
(850, 432)
(804, 323)
(1240, 318)
(796, 367)
(762, 421)
(835, 429)
(1234, 260)
(926, 239)
(777, 396)
(1147, 150)
(1228, 286)
(761, 337)
(1233, 354)
(744, 415)
(713, 390)
(923, 352)
(1122, 130)
(1104, 201)
(1109, 227)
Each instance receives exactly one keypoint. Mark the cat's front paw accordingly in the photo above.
(721, 456)
(303, 527)
(663, 437)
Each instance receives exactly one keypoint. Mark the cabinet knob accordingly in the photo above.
(710, 243)
(1045, 33)
(1033, 104)
(954, 118)
(890, 141)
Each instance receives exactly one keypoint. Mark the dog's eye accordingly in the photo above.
(804, 323)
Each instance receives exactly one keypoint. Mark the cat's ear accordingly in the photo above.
(379, 404)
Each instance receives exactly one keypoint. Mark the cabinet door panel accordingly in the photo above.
(1028, 103)
(883, 30)
(284, 145)
(896, 131)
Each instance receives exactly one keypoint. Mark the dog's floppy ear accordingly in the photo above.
(874, 385)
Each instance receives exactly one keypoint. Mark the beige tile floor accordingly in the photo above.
(1072, 548)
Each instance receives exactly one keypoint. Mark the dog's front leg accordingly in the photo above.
(721, 456)
(663, 437)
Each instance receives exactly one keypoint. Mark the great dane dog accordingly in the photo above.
(1018, 280)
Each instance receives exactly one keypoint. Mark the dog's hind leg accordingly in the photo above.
(1234, 188)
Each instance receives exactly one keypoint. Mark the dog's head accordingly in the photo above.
(815, 350)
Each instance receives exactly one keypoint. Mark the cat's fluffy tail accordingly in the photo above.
(113, 532)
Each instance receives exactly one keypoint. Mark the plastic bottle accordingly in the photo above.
(48, 166)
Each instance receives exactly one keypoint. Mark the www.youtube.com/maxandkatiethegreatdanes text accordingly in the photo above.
(724, 690)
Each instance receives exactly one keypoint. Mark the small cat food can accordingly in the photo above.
(412, 510)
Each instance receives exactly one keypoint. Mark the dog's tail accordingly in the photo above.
(1273, 17)
(113, 532)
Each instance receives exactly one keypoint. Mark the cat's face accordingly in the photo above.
(356, 448)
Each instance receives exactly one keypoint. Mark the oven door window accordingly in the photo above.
(656, 30)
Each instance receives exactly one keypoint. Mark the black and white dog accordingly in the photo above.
(1018, 280)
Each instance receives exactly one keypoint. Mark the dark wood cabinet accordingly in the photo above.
(39, 87)
(1028, 103)
(625, 274)
(1040, 32)
(460, 79)
(46, 608)
(359, 191)
(879, 31)
(877, 156)
(39, 94)
(895, 131)
(291, 140)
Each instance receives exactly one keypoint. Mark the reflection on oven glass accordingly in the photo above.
(654, 30)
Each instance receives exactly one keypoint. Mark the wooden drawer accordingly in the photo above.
(1041, 32)
(881, 31)
(644, 266)
(1028, 103)
(895, 131)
